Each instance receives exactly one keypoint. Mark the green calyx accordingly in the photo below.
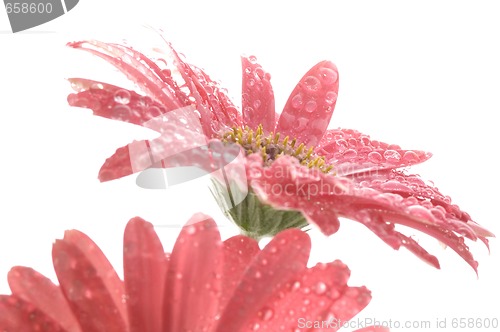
(254, 218)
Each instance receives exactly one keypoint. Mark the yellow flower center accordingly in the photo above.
(271, 146)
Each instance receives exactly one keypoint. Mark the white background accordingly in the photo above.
(422, 75)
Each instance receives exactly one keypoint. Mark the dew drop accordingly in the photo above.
(258, 275)
(250, 82)
(310, 106)
(297, 101)
(122, 97)
(320, 288)
(256, 103)
(312, 84)
(267, 314)
(248, 70)
(328, 75)
(375, 157)
(410, 157)
(153, 112)
(252, 59)
(331, 97)
(259, 72)
(392, 156)
(350, 154)
(191, 230)
(121, 112)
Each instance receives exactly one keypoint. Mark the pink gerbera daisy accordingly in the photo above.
(205, 284)
(298, 172)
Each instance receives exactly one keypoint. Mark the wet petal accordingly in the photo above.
(312, 192)
(353, 152)
(317, 294)
(140, 155)
(214, 107)
(193, 284)
(257, 96)
(32, 287)
(89, 283)
(114, 102)
(309, 108)
(122, 58)
(18, 315)
(281, 260)
(239, 251)
(145, 266)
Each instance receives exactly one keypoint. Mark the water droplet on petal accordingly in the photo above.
(258, 275)
(310, 106)
(250, 82)
(320, 288)
(252, 59)
(350, 154)
(256, 103)
(410, 157)
(328, 75)
(297, 101)
(267, 314)
(331, 97)
(392, 156)
(121, 112)
(375, 157)
(312, 84)
(122, 96)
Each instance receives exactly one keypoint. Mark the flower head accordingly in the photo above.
(297, 171)
(205, 284)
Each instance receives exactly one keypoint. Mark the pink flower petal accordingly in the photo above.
(123, 59)
(280, 261)
(32, 287)
(140, 155)
(239, 251)
(257, 96)
(145, 266)
(90, 284)
(313, 192)
(114, 102)
(315, 295)
(309, 108)
(215, 108)
(18, 315)
(193, 284)
(353, 152)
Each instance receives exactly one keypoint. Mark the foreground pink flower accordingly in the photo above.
(203, 285)
(297, 170)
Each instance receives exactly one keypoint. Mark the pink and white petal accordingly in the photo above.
(194, 278)
(307, 113)
(353, 152)
(280, 261)
(135, 70)
(257, 96)
(34, 288)
(174, 144)
(311, 297)
(239, 251)
(144, 266)
(311, 191)
(114, 102)
(214, 107)
(19, 315)
(89, 283)
(223, 109)
(417, 192)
